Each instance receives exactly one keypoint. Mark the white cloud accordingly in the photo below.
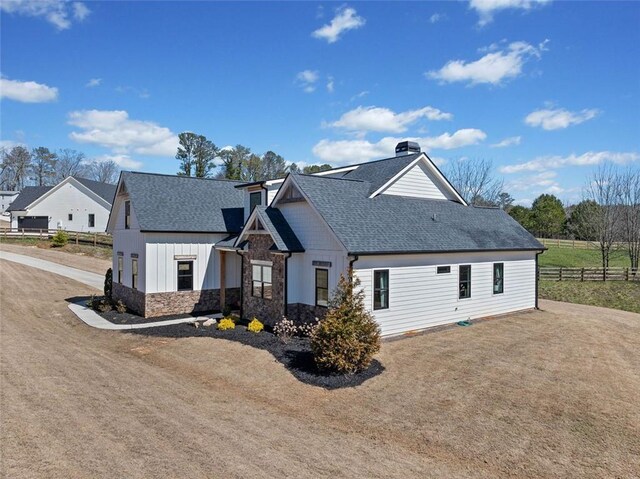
(559, 118)
(27, 91)
(94, 82)
(57, 12)
(114, 130)
(346, 19)
(307, 79)
(486, 8)
(493, 68)
(436, 17)
(350, 151)
(372, 118)
(510, 141)
(6, 145)
(330, 85)
(123, 161)
(590, 158)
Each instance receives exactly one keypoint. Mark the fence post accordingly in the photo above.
(581, 274)
(76, 237)
(558, 242)
(626, 274)
(604, 274)
(560, 274)
(95, 238)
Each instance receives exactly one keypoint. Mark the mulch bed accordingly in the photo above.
(295, 355)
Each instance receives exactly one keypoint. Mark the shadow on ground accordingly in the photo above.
(295, 355)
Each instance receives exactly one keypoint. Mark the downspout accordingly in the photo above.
(355, 258)
(241, 280)
(537, 277)
(266, 195)
(286, 283)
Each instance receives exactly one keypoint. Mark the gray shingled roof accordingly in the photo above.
(184, 204)
(106, 191)
(393, 224)
(283, 236)
(28, 195)
(377, 173)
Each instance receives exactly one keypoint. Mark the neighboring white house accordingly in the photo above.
(423, 256)
(74, 204)
(6, 198)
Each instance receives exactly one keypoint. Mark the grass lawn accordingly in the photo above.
(581, 258)
(624, 295)
(102, 252)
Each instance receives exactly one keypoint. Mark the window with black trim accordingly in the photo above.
(464, 281)
(255, 199)
(127, 215)
(444, 269)
(381, 289)
(322, 287)
(185, 275)
(498, 278)
(261, 281)
(120, 268)
(92, 220)
(70, 217)
(134, 273)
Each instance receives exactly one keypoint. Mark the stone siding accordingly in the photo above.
(305, 313)
(133, 298)
(268, 311)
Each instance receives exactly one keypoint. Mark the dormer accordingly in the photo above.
(259, 193)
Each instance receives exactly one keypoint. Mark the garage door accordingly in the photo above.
(33, 222)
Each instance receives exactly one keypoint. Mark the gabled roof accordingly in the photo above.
(276, 225)
(28, 195)
(184, 204)
(394, 224)
(106, 191)
(379, 172)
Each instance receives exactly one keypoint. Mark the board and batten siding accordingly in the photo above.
(319, 244)
(420, 298)
(417, 182)
(162, 265)
(66, 200)
(127, 241)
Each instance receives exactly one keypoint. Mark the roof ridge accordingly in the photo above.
(329, 177)
(180, 176)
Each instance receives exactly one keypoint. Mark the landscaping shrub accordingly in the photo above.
(121, 307)
(226, 323)
(306, 330)
(285, 329)
(59, 239)
(348, 337)
(255, 326)
(226, 311)
(108, 283)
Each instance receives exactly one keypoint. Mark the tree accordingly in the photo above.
(547, 216)
(348, 336)
(105, 171)
(43, 166)
(475, 182)
(629, 189)
(583, 219)
(273, 166)
(604, 189)
(232, 162)
(522, 215)
(69, 163)
(505, 201)
(15, 168)
(196, 154)
(311, 169)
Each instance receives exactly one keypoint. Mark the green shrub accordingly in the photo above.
(226, 311)
(348, 337)
(226, 323)
(59, 239)
(255, 326)
(108, 283)
(121, 307)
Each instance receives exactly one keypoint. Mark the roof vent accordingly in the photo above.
(407, 148)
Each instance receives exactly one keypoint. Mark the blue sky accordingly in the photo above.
(546, 90)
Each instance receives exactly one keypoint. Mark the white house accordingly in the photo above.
(74, 204)
(6, 198)
(423, 256)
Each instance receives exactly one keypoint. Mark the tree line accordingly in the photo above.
(609, 214)
(20, 167)
(200, 157)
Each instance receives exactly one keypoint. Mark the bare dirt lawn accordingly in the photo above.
(75, 256)
(542, 394)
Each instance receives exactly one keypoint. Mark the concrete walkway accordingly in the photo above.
(93, 280)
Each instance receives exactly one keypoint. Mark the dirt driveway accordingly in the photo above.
(545, 394)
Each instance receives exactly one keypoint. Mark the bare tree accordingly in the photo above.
(104, 171)
(629, 189)
(604, 189)
(475, 181)
(70, 163)
(43, 166)
(15, 167)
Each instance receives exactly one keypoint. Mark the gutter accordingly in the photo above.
(351, 261)
(537, 277)
(382, 253)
